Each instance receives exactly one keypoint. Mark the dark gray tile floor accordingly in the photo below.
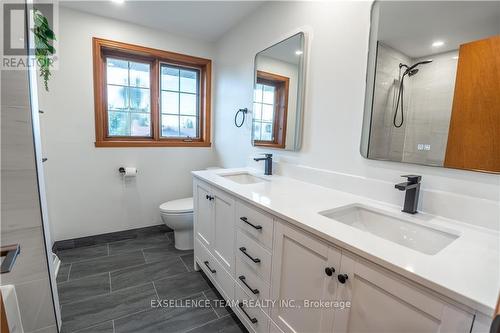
(112, 286)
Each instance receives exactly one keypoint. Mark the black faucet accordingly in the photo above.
(412, 188)
(269, 163)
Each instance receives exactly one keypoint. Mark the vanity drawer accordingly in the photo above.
(253, 317)
(253, 284)
(257, 257)
(219, 276)
(256, 223)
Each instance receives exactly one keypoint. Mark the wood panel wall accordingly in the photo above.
(474, 133)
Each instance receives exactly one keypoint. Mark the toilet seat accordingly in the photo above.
(180, 206)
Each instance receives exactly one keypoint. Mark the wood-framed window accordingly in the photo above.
(146, 97)
(270, 110)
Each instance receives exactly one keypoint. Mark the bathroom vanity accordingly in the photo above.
(366, 265)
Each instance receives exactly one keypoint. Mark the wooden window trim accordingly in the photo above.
(282, 84)
(101, 48)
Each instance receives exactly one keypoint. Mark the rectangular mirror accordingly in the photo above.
(433, 84)
(278, 94)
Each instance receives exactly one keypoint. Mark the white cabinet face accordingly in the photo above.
(203, 214)
(380, 302)
(223, 244)
(299, 274)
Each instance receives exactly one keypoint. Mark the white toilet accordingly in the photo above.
(178, 216)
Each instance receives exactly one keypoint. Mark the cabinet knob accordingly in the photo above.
(329, 271)
(342, 278)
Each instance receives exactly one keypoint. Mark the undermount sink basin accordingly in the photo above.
(243, 178)
(406, 233)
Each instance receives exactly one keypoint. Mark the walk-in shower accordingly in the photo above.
(410, 71)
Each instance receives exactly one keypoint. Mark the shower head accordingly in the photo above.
(413, 72)
(418, 64)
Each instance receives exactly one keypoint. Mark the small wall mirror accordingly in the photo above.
(278, 94)
(433, 84)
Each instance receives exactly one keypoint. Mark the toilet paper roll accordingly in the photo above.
(130, 172)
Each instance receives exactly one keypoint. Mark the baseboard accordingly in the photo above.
(108, 237)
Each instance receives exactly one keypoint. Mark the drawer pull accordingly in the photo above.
(210, 269)
(244, 219)
(242, 279)
(253, 320)
(244, 250)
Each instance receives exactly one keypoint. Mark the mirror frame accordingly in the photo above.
(301, 90)
(369, 93)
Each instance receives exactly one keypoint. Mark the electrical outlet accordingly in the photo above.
(427, 147)
(420, 146)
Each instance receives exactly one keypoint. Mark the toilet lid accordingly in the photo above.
(178, 206)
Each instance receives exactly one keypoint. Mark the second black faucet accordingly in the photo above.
(269, 163)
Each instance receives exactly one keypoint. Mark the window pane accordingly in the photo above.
(188, 127)
(188, 104)
(169, 102)
(117, 98)
(139, 99)
(267, 132)
(268, 95)
(139, 74)
(267, 112)
(189, 81)
(169, 78)
(140, 124)
(256, 130)
(258, 93)
(118, 124)
(169, 125)
(117, 71)
(257, 111)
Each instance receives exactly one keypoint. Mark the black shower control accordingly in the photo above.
(329, 271)
(342, 278)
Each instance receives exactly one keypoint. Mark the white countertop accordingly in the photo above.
(467, 270)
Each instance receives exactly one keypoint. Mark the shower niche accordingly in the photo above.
(433, 84)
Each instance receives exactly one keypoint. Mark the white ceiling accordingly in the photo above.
(285, 50)
(412, 26)
(204, 20)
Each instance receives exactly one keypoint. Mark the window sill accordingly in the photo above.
(132, 144)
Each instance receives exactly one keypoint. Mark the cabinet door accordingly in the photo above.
(384, 302)
(203, 224)
(298, 274)
(223, 241)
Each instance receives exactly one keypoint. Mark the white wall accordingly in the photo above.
(86, 195)
(333, 112)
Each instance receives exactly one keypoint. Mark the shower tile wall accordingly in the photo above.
(387, 141)
(430, 109)
(428, 98)
(20, 212)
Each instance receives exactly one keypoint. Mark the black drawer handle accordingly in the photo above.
(244, 219)
(244, 250)
(210, 269)
(242, 279)
(253, 320)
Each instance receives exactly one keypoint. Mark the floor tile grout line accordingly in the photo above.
(211, 306)
(69, 272)
(180, 257)
(156, 291)
(206, 323)
(108, 293)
